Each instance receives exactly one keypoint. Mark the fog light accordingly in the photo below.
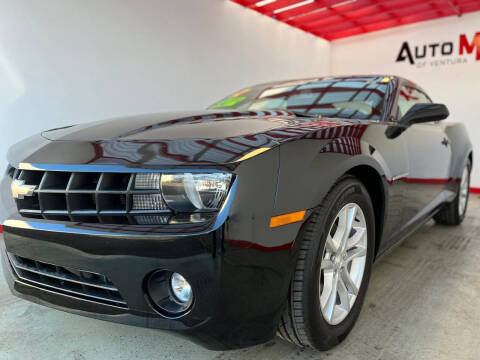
(181, 289)
(170, 293)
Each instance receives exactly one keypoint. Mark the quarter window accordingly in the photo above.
(408, 97)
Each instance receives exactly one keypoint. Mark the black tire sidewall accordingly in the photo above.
(322, 334)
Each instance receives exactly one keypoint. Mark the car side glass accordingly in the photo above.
(393, 131)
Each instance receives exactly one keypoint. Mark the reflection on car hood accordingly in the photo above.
(176, 125)
(172, 139)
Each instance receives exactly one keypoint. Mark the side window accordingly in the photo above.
(408, 97)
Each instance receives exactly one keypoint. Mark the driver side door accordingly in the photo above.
(429, 156)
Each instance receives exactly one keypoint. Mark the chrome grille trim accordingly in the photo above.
(82, 284)
(86, 197)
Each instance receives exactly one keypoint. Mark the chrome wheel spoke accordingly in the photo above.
(355, 239)
(355, 253)
(330, 244)
(350, 214)
(350, 285)
(343, 294)
(343, 263)
(327, 264)
(332, 298)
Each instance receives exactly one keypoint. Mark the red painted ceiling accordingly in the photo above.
(336, 19)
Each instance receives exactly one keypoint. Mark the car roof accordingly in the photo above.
(365, 78)
(356, 78)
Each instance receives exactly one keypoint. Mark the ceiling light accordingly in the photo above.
(301, 3)
(321, 9)
(307, 13)
(264, 2)
(342, 3)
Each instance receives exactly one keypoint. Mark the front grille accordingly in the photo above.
(81, 284)
(89, 197)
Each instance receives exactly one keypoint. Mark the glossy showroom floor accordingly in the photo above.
(423, 303)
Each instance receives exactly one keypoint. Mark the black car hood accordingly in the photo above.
(172, 139)
(175, 125)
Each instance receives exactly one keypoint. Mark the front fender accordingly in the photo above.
(308, 171)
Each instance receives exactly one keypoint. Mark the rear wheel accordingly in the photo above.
(453, 213)
(333, 269)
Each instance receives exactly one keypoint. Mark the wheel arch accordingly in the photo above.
(372, 181)
(461, 146)
(313, 175)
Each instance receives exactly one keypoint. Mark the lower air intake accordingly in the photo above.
(80, 284)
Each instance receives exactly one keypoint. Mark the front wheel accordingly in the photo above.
(332, 270)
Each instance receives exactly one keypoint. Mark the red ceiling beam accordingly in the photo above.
(316, 6)
(409, 19)
(421, 17)
(323, 27)
(363, 20)
(355, 10)
(270, 8)
(346, 33)
(310, 17)
(377, 22)
(364, 11)
(456, 9)
(417, 8)
(245, 2)
(334, 19)
(469, 7)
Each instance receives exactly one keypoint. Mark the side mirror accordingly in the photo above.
(422, 113)
(418, 113)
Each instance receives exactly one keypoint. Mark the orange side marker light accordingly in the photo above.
(285, 219)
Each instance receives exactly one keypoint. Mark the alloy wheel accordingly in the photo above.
(343, 263)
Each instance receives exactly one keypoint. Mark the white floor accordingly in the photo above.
(423, 303)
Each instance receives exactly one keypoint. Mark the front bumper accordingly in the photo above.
(239, 290)
(239, 268)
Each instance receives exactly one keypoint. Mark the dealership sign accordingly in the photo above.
(440, 53)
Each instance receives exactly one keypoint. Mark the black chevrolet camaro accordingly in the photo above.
(262, 215)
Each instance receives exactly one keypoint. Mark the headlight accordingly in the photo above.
(180, 192)
(186, 192)
(152, 200)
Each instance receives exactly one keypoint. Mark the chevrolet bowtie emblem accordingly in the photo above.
(20, 190)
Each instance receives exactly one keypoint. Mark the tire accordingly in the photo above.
(454, 212)
(304, 321)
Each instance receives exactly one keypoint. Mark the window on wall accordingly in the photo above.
(408, 97)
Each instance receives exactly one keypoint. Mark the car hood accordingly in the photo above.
(173, 139)
(175, 125)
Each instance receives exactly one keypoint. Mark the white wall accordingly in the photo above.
(457, 85)
(71, 61)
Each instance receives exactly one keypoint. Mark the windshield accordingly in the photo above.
(351, 98)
